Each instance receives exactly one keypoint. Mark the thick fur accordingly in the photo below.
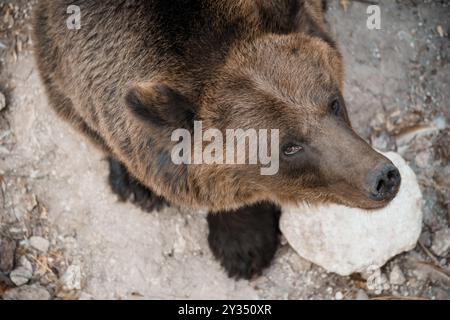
(130, 44)
(138, 69)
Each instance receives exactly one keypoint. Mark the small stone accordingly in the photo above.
(440, 122)
(34, 292)
(377, 282)
(20, 276)
(423, 159)
(425, 239)
(441, 242)
(72, 278)
(440, 31)
(40, 244)
(380, 141)
(25, 263)
(30, 202)
(361, 295)
(396, 276)
(7, 251)
(86, 297)
(339, 296)
(2, 101)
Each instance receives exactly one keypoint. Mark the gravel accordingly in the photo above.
(441, 242)
(33, 292)
(396, 276)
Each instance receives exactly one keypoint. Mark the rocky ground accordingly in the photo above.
(63, 235)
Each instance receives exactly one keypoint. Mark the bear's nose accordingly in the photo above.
(384, 183)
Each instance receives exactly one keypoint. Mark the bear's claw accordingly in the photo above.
(245, 240)
(129, 189)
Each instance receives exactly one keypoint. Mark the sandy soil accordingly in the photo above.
(398, 80)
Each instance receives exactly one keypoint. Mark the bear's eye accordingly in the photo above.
(291, 150)
(336, 107)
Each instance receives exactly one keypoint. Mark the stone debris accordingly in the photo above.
(361, 295)
(33, 292)
(21, 276)
(441, 242)
(39, 244)
(396, 276)
(72, 278)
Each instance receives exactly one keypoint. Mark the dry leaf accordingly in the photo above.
(344, 4)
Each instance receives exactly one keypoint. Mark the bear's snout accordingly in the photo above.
(384, 182)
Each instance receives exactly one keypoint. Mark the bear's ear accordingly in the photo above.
(311, 27)
(159, 105)
(291, 16)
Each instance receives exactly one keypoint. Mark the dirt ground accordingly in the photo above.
(53, 184)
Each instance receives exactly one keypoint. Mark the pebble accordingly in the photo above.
(72, 278)
(423, 159)
(30, 202)
(441, 242)
(396, 276)
(361, 295)
(20, 276)
(40, 244)
(34, 292)
(2, 101)
(86, 297)
(339, 296)
(380, 141)
(425, 239)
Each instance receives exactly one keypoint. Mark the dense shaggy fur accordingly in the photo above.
(139, 69)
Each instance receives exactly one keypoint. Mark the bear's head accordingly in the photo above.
(290, 83)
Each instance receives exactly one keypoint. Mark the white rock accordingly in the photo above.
(2, 101)
(72, 278)
(441, 242)
(348, 240)
(339, 296)
(39, 243)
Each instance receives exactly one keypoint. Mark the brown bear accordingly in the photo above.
(136, 70)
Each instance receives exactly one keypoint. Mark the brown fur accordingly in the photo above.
(232, 64)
